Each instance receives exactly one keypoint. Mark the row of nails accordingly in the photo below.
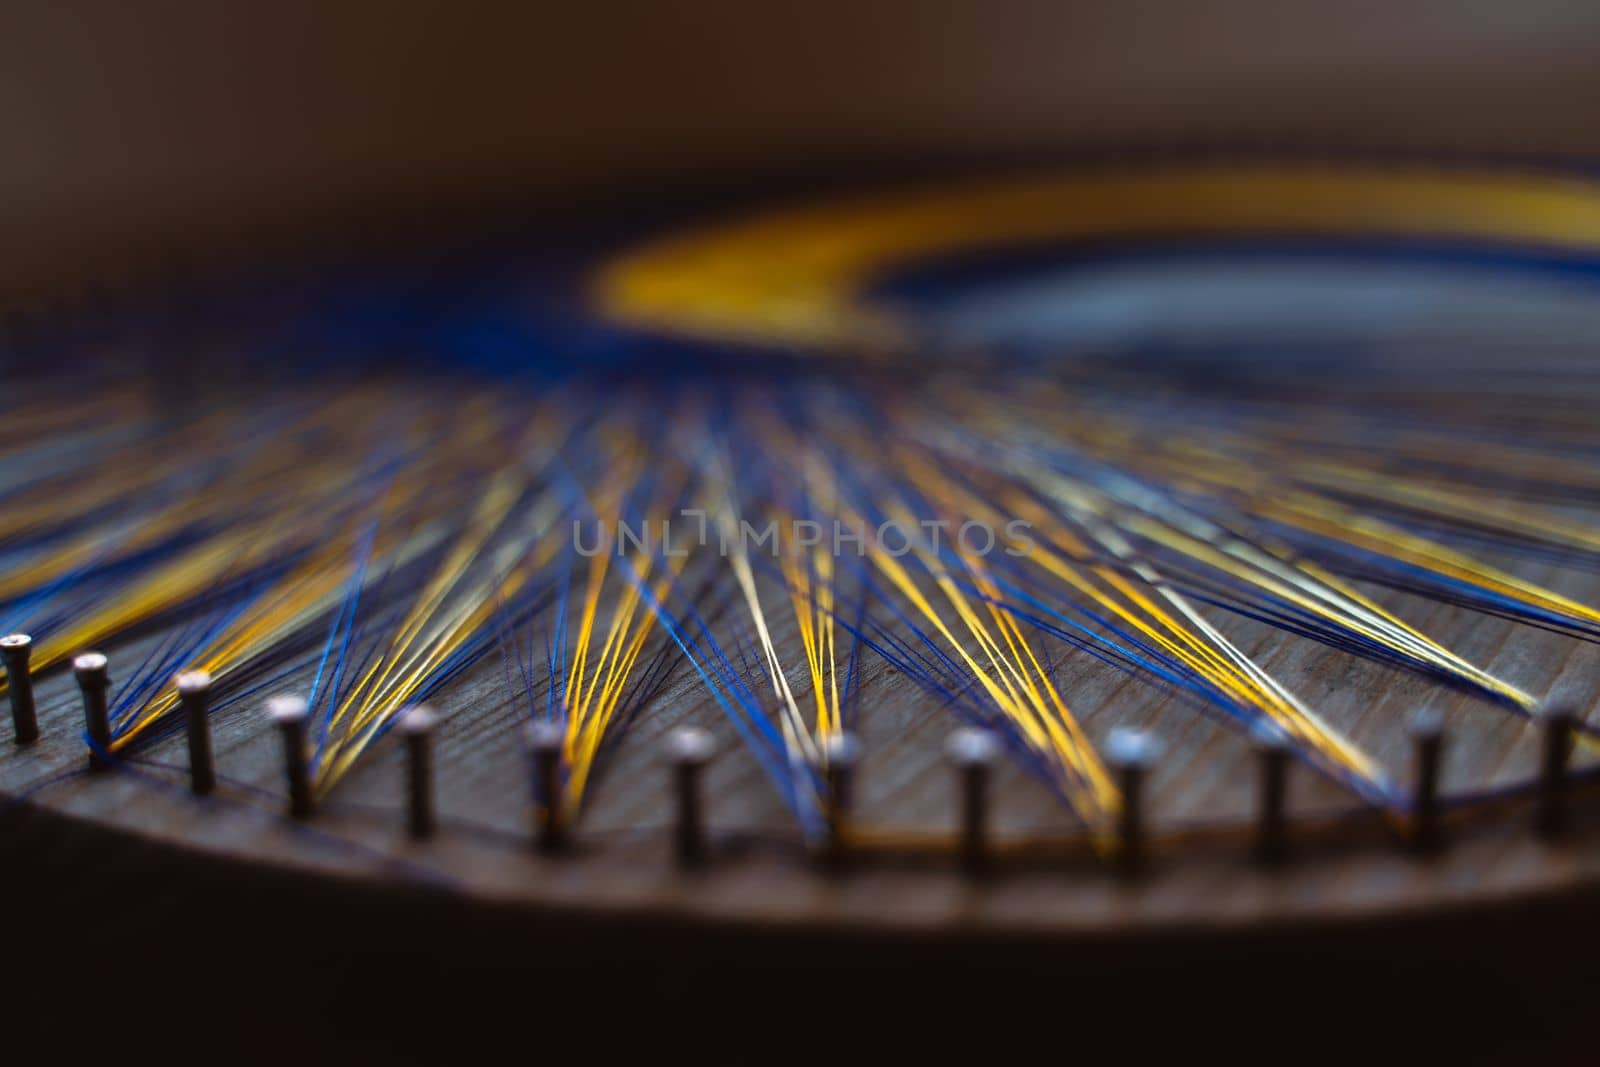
(973, 752)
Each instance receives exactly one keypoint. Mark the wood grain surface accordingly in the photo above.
(1349, 864)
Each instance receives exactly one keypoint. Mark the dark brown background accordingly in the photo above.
(125, 126)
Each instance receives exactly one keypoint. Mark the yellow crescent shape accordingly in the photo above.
(798, 277)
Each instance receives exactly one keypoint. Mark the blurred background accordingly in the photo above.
(134, 129)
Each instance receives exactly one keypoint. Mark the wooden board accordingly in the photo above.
(1349, 864)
